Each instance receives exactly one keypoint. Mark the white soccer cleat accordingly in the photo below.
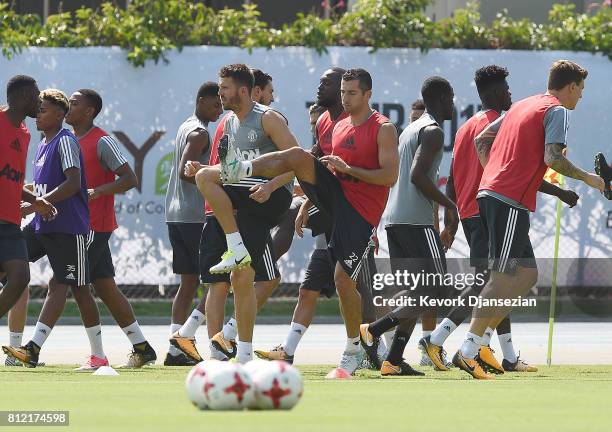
(351, 362)
(233, 168)
(232, 260)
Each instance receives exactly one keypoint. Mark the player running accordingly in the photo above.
(212, 246)
(364, 161)
(319, 277)
(462, 187)
(108, 173)
(516, 150)
(184, 209)
(253, 129)
(60, 179)
(22, 96)
(410, 222)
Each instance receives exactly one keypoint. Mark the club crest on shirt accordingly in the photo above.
(252, 135)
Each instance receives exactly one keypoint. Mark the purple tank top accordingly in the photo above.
(72, 213)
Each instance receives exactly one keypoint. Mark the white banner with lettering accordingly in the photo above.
(143, 108)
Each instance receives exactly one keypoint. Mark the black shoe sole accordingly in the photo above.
(602, 168)
(229, 355)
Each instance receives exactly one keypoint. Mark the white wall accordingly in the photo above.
(140, 102)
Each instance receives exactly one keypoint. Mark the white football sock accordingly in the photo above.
(94, 334)
(191, 325)
(471, 345)
(41, 333)
(486, 337)
(15, 339)
(293, 337)
(230, 329)
(505, 341)
(134, 333)
(244, 352)
(234, 241)
(173, 329)
(442, 332)
(426, 333)
(352, 345)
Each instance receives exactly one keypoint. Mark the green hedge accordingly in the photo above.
(148, 29)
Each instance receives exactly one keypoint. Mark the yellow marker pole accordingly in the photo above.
(553, 289)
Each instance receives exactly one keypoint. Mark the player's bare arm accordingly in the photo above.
(126, 180)
(484, 140)
(567, 196)
(69, 187)
(388, 159)
(555, 159)
(197, 144)
(36, 204)
(447, 236)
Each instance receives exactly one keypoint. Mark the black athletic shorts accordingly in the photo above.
(99, 256)
(12, 243)
(320, 273)
(418, 249)
(319, 221)
(508, 230)
(478, 241)
(185, 241)
(213, 245)
(67, 254)
(255, 220)
(351, 234)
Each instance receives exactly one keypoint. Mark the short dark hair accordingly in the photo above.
(240, 73)
(17, 83)
(433, 88)
(94, 100)
(418, 105)
(208, 89)
(260, 78)
(362, 75)
(488, 76)
(564, 72)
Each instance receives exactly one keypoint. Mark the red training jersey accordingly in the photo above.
(516, 161)
(102, 209)
(325, 128)
(214, 153)
(14, 142)
(466, 167)
(358, 146)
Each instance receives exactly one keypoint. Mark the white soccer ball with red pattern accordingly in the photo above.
(228, 387)
(195, 382)
(277, 386)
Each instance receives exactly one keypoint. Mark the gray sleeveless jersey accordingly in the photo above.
(407, 204)
(249, 136)
(184, 203)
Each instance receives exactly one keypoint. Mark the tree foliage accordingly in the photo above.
(149, 29)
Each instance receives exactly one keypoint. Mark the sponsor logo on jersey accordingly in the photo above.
(40, 162)
(15, 145)
(11, 174)
(40, 189)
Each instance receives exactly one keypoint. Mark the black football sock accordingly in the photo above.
(381, 325)
(396, 352)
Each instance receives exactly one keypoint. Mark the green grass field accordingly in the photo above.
(560, 398)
